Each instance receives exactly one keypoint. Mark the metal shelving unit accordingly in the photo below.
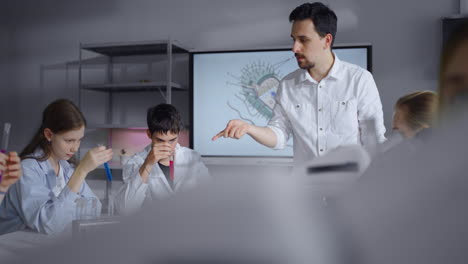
(122, 49)
(107, 57)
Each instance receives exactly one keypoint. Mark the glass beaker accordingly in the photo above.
(86, 208)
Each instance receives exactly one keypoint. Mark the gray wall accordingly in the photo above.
(405, 36)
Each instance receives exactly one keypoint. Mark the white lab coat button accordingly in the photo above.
(321, 150)
(298, 106)
(321, 129)
(343, 103)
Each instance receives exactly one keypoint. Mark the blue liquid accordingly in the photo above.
(108, 171)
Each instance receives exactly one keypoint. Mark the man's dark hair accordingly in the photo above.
(163, 118)
(324, 19)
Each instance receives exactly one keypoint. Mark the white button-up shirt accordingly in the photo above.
(324, 115)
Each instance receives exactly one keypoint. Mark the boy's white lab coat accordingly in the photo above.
(189, 171)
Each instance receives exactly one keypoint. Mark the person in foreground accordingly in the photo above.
(410, 205)
(10, 171)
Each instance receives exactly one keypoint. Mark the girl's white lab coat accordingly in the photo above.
(189, 171)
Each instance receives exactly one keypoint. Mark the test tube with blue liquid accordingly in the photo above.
(109, 198)
(107, 168)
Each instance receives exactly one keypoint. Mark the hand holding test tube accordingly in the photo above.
(10, 167)
(91, 160)
(95, 157)
(160, 152)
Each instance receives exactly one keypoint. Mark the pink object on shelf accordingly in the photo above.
(132, 140)
(184, 138)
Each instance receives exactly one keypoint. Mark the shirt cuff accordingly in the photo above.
(280, 140)
(67, 195)
(138, 180)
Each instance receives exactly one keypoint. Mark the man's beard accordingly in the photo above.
(306, 65)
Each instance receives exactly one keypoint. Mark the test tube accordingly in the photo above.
(108, 193)
(5, 138)
(171, 167)
(107, 169)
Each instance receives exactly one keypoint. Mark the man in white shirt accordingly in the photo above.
(148, 174)
(326, 103)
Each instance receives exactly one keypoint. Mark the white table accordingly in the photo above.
(14, 244)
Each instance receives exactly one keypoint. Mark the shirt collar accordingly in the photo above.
(45, 164)
(333, 73)
(336, 68)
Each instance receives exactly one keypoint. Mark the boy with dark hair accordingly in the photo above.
(147, 175)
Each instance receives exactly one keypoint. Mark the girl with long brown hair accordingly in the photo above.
(43, 200)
